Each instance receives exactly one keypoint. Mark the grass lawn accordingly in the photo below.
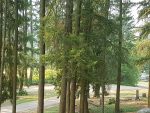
(34, 97)
(52, 110)
(108, 109)
(143, 83)
(111, 109)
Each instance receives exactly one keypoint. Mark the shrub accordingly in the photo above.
(22, 92)
(111, 101)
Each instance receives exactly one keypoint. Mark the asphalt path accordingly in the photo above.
(28, 107)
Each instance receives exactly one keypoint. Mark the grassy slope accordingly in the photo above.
(34, 97)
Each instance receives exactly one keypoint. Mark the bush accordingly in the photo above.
(50, 76)
(111, 101)
(22, 92)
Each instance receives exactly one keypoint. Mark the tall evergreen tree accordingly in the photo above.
(1, 35)
(42, 64)
(117, 104)
(68, 31)
(15, 58)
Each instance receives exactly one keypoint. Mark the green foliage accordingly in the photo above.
(110, 109)
(50, 76)
(111, 101)
(130, 75)
(22, 92)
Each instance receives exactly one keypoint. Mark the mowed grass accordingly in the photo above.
(34, 96)
(54, 109)
(111, 109)
(108, 109)
(128, 93)
(143, 83)
(128, 103)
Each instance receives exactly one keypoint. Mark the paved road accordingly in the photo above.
(29, 106)
(35, 88)
(122, 88)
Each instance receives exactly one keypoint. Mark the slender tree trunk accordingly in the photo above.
(68, 29)
(72, 95)
(82, 96)
(86, 98)
(73, 80)
(31, 29)
(15, 57)
(22, 73)
(25, 43)
(106, 13)
(62, 108)
(25, 77)
(117, 105)
(42, 64)
(149, 89)
(103, 97)
(10, 52)
(97, 90)
(1, 35)
(68, 97)
(78, 16)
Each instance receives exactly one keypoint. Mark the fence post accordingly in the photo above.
(137, 95)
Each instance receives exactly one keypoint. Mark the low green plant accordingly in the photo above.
(111, 101)
(22, 93)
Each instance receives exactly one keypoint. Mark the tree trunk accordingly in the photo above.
(149, 89)
(117, 104)
(72, 95)
(31, 29)
(25, 42)
(78, 16)
(21, 74)
(97, 90)
(68, 30)
(42, 64)
(15, 57)
(103, 97)
(82, 96)
(68, 97)
(73, 80)
(10, 52)
(86, 110)
(1, 35)
(62, 108)
(25, 77)
(106, 13)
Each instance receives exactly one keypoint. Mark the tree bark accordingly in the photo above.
(78, 16)
(68, 97)
(149, 89)
(86, 98)
(117, 104)
(62, 108)
(82, 96)
(68, 30)
(31, 29)
(1, 35)
(42, 64)
(73, 80)
(97, 90)
(25, 43)
(21, 74)
(15, 58)
(72, 95)
(103, 97)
